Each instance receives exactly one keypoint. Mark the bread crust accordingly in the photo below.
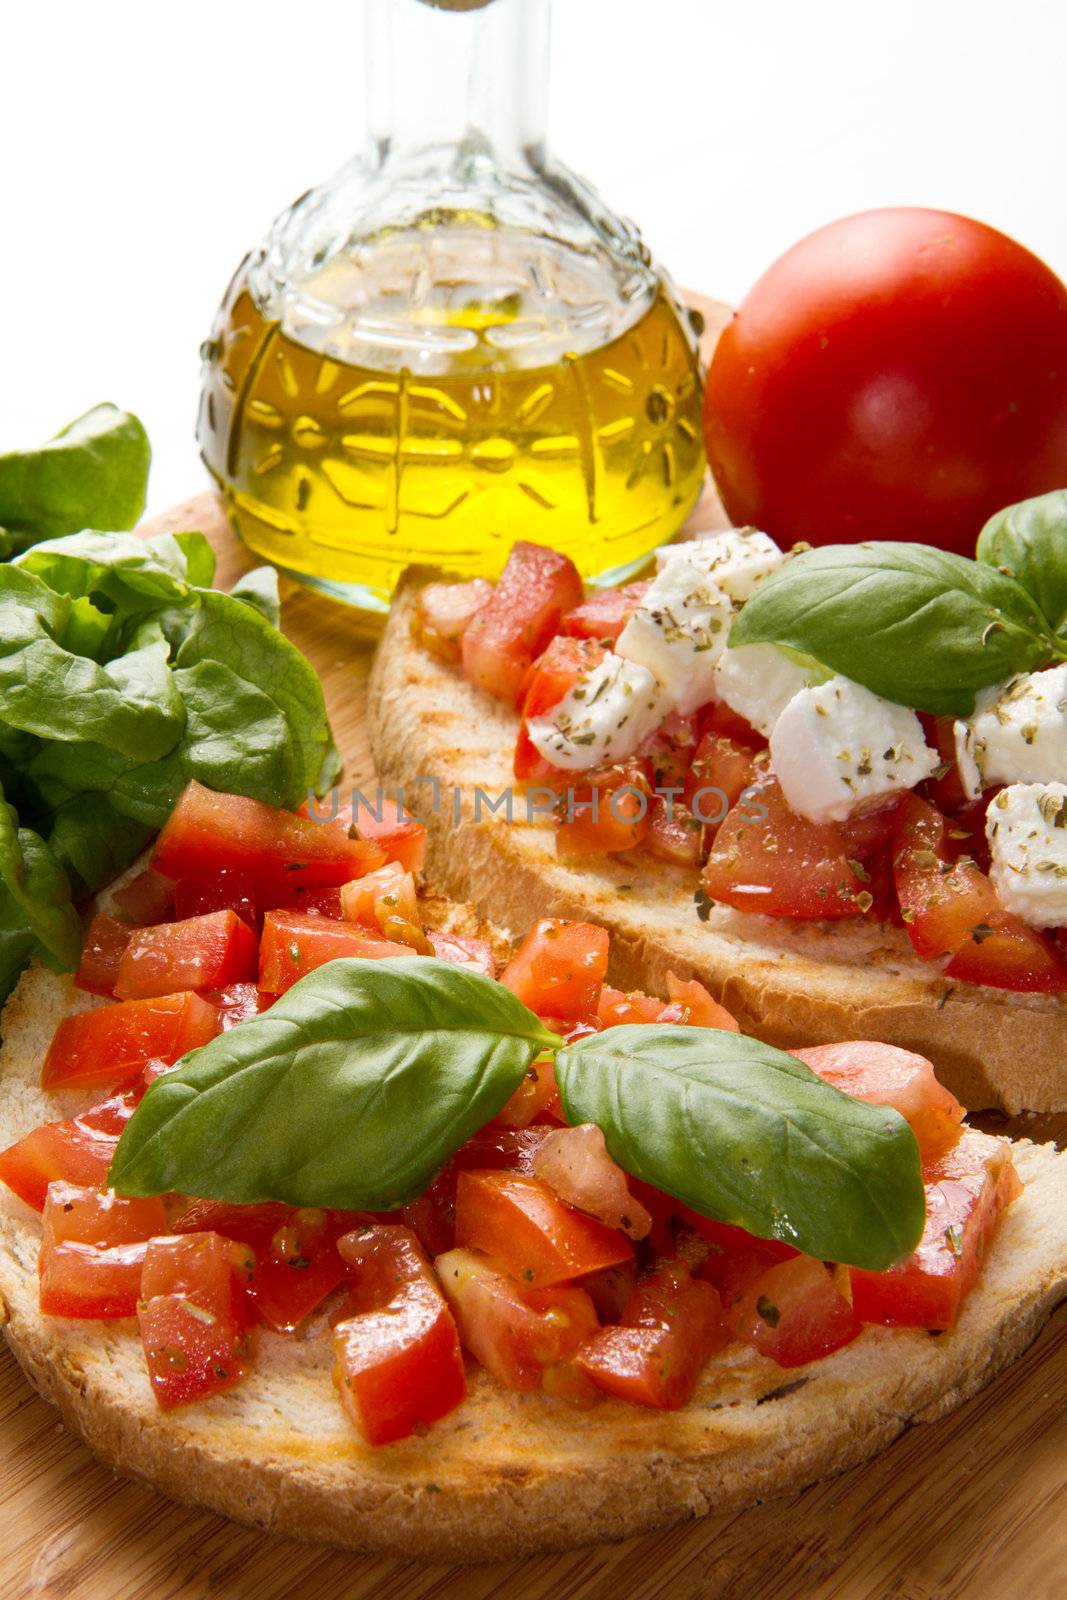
(787, 983)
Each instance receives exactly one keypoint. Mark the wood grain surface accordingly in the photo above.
(971, 1508)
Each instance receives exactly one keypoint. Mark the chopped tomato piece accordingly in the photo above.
(671, 1326)
(323, 902)
(445, 611)
(237, 1002)
(77, 1150)
(432, 1217)
(559, 967)
(575, 1164)
(388, 827)
(516, 1332)
(674, 834)
(735, 1258)
(532, 593)
(146, 899)
(865, 835)
(551, 676)
(608, 812)
(464, 952)
(610, 1289)
(606, 612)
(280, 850)
(92, 1251)
(399, 1366)
(105, 942)
(719, 718)
(1013, 956)
(614, 1007)
(112, 1044)
(382, 897)
(534, 1095)
(967, 1190)
(692, 1004)
(200, 953)
(795, 1313)
(946, 786)
(721, 771)
(193, 1313)
(767, 859)
(522, 1223)
(227, 889)
(294, 943)
(884, 1075)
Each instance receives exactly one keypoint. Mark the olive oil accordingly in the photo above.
(475, 430)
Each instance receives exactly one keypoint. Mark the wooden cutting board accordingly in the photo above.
(969, 1508)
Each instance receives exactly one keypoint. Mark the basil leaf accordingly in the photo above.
(37, 884)
(749, 1135)
(93, 474)
(259, 589)
(1028, 542)
(920, 626)
(351, 1091)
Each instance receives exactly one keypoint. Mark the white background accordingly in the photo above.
(145, 146)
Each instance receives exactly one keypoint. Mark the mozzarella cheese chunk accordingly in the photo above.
(1026, 826)
(837, 748)
(1018, 734)
(605, 716)
(758, 681)
(678, 633)
(736, 560)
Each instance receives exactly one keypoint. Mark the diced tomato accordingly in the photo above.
(536, 1092)
(945, 789)
(690, 1003)
(323, 902)
(866, 834)
(735, 1258)
(445, 611)
(967, 1190)
(237, 1002)
(112, 1044)
(280, 850)
(674, 834)
(228, 889)
(547, 680)
(522, 1223)
(721, 771)
(795, 1313)
(615, 1008)
(669, 750)
(767, 859)
(199, 953)
(559, 967)
(610, 1289)
(607, 812)
(382, 899)
(92, 1250)
(671, 1326)
(294, 943)
(194, 1317)
(77, 1150)
(463, 952)
(575, 1164)
(535, 589)
(884, 1075)
(398, 1364)
(432, 1217)
(951, 908)
(297, 1263)
(606, 612)
(146, 899)
(105, 941)
(719, 718)
(386, 825)
(514, 1331)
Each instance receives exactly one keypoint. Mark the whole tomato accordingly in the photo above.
(899, 374)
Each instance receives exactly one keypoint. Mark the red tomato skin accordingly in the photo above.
(279, 850)
(607, 812)
(294, 943)
(559, 968)
(721, 771)
(237, 1002)
(605, 614)
(205, 952)
(764, 858)
(794, 1313)
(77, 1150)
(898, 374)
(532, 593)
(968, 1189)
(398, 1363)
(111, 1045)
(674, 834)
(92, 1251)
(228, 889)
(193, 1313)
(520, 1222)
(386, 825)
(324, 902)
(517, 1333)
(105, 941)
(615, 1008)
(671, 1326)
(883, 1074)
(146, 899)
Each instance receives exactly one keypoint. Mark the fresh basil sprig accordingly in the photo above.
(1028, 542)
(351, 1091)
(919, 626)
(355, 1087)
(749, 1135)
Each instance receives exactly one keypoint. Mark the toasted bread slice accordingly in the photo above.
(787, 983)
(505, 1474)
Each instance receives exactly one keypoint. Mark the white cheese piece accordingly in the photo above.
(608, 713)
(737, 560)
(1026, 825)
(1018, 733)
(758, 681)
(837, 748)
(678, 632)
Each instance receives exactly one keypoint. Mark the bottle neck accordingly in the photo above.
(463, 75)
